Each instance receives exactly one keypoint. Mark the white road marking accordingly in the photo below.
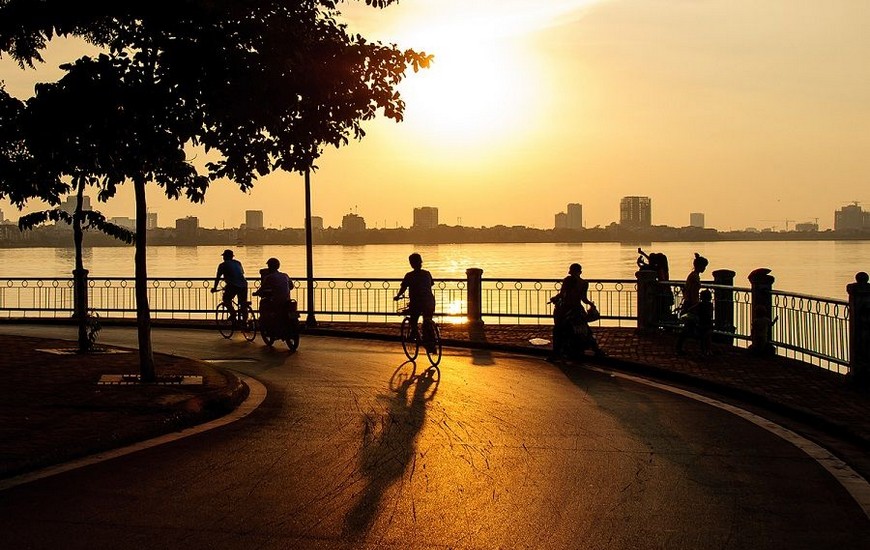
(856, 485)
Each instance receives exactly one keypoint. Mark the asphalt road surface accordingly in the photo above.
(354, 447)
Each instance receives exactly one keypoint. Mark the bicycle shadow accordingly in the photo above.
(390, 441)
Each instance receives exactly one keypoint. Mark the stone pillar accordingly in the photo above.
(723, 306)
(647, 300)
(859, 330)
(474, 295)
(762, 311)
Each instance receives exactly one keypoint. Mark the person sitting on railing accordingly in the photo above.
(421, 300)
(274, 292)
(691, 292)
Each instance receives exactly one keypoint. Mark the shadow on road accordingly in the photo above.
(390, 441)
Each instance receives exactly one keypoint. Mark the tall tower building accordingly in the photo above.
(851, 217)
(561, 221)
(696, 219)
(425, 217)
(353, 222)
(635, 212)
(69, 204)
(151, 221)
(253, 219)
(575, 216)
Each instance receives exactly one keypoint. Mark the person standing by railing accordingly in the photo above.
(570, 320)
(421, 299)
(235, 283)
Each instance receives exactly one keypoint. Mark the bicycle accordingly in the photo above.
(412, 339)
(226, 319)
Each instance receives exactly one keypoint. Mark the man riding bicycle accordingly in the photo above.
(421, 300)
(235, 283)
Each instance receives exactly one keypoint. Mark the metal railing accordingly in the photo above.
(812, 329)
(807, 328)
(360, 299)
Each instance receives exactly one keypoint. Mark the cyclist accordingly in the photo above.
(274, 291)
(421, 300)
(235, 284)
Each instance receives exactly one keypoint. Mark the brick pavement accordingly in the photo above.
(51, 409)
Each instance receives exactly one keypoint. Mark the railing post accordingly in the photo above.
(474, 297)
(859, 329)
(761, 311)
(647, 300)
(723, 306)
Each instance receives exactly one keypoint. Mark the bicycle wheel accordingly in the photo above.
(249, 327)
(433, 348)
(293, 335)
(224, 320)
(411, 346)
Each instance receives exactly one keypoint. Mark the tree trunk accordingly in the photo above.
(80, 290)
(143, 311)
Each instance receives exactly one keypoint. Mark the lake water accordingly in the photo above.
(821, 268)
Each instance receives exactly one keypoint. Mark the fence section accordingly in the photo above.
(812, 329)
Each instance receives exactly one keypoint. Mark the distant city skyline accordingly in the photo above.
(747, 111)
(846, 217)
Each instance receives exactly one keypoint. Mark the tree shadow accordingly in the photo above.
(390, 441)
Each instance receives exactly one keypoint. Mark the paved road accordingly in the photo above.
(353, 447)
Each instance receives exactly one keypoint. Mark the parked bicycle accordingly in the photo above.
(428, 336)
(231, 317)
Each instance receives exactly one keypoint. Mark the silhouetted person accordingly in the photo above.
(274, 293)
(570, 325)
(658, 262)
(691, 298)
(421, 301)
(235, 284)
(703, 327)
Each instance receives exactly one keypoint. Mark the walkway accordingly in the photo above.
(51, 408)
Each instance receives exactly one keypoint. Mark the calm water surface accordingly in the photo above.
(821, 268)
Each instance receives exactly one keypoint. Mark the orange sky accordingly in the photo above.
(751, 112)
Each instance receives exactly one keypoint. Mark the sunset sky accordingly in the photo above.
(751, 111)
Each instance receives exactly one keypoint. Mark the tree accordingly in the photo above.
(80, 220)
(265, 83)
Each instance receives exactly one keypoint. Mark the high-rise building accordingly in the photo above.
(316, 223)
(2, 219)
(851, 217)
(353, 222)
(574, 216)
(696, 219)
(635, 212)
(425, 217)
(124, 221)
(187, 228)
(561, 221)
(69, 204)
(254, 219)
(151, 221)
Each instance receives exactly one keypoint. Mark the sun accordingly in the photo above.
(475, 91)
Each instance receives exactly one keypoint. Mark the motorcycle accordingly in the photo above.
(280, 322)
